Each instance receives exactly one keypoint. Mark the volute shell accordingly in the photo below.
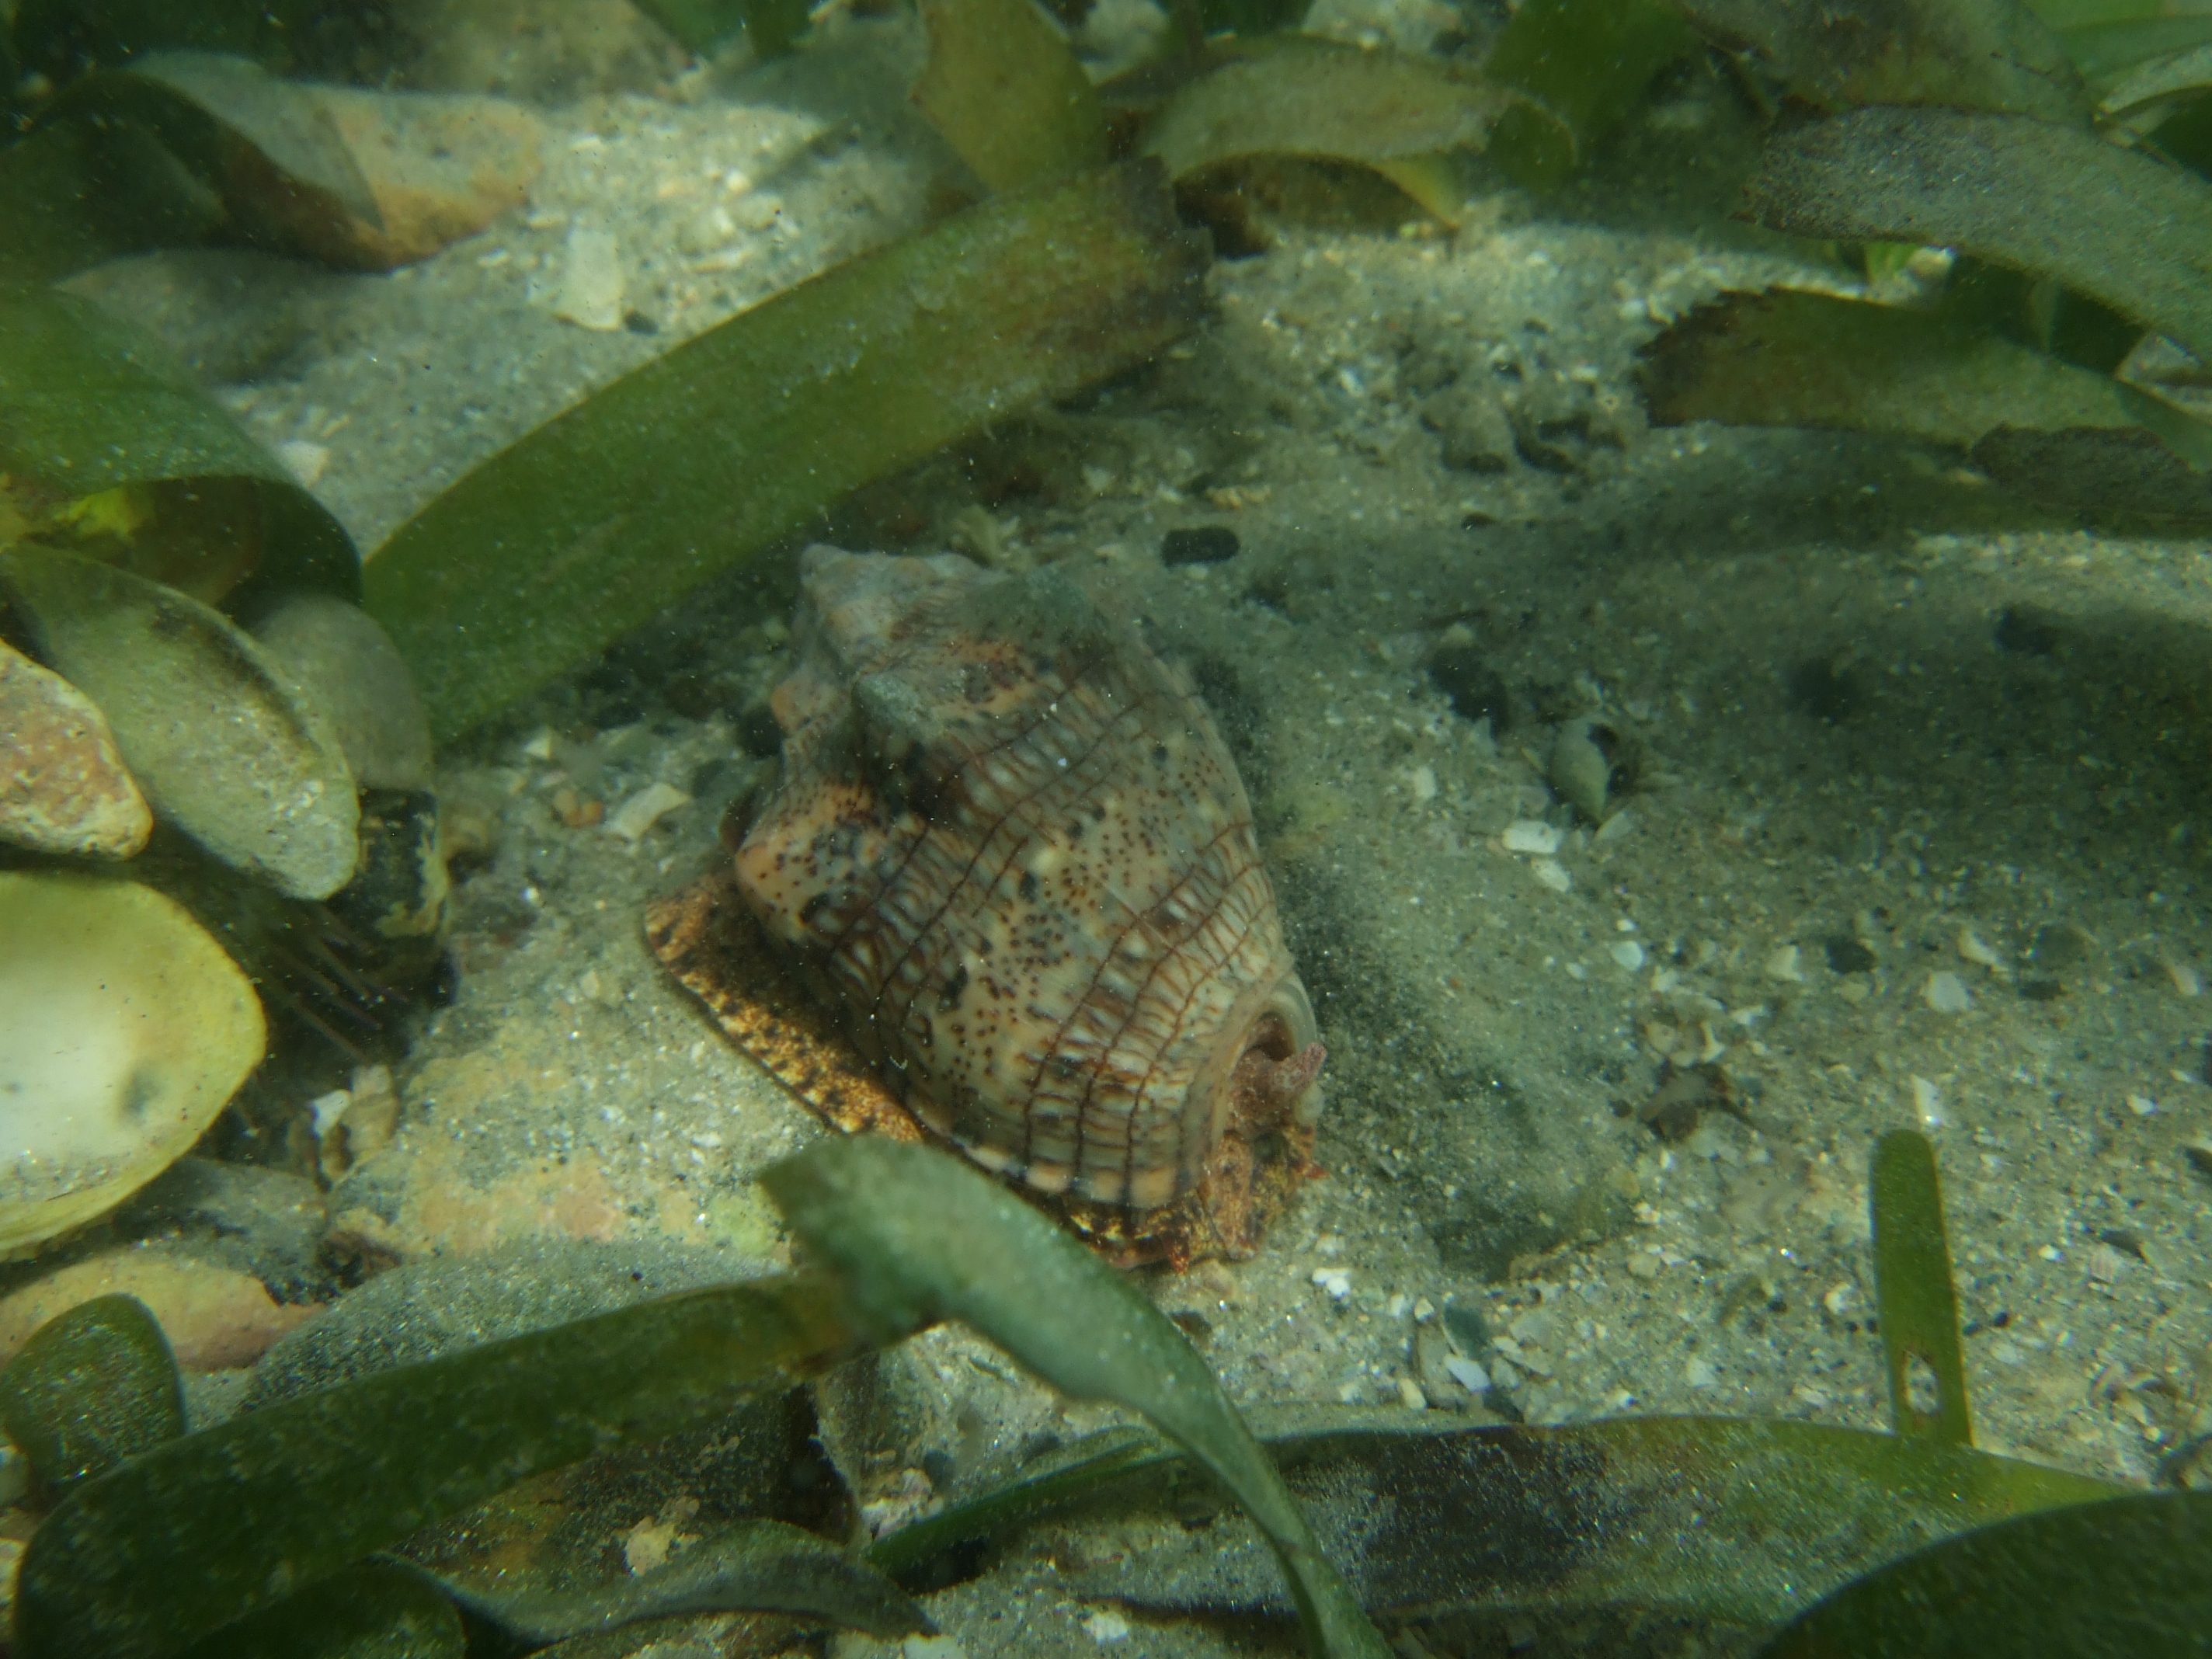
(1015, 858)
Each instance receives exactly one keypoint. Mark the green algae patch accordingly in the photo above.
(1300, 95)
(912, 1235)
(1583, 66)
(110, 448)
(1968, 54)
(2064, 436)
(1004, 88)
(1912, 1289)
(2131, 232)
(2117, 1580)
(92, 1387)
(378, 1610)
(554, 548)
(753, 1566)
(1736, 1520)
(175, 1543)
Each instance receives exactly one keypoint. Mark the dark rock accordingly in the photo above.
(1477, 690)
(2030, 630)
(1206, 544)
(1848, 956)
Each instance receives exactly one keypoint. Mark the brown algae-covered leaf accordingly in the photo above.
(2106, 51)
(2122, 474)
(551, 549)
(2138, 92)
(754, 1566)
(1996, 55)
(225, 745)
(2123, 1579)
(1303, 96)
(90, 406)
(1785, 357)
(1737, 1520)
(1582, 63)
(2116, 225)
(378, 1610)
(145, 1560)
(92, 1387)
(1919, 1309)
(913, 1235)
(1004, 88)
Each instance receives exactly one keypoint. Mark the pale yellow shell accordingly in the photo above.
(123, 1030)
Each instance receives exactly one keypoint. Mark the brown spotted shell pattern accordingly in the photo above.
(1015, 850)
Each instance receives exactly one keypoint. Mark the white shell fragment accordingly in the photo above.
(636, 817)
(1927, 1104)
(592, 282)
(1947, 993)
(1974, 948)
(220, 740)
(123, 1030)
(1531, 835)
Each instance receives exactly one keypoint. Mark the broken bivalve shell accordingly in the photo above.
(123, 1030)
(1593, 763)
(225, 745)
(349, 665)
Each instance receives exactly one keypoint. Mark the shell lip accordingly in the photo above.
(1274, 1017)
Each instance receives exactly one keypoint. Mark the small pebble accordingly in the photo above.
(2142, 1105)
(1629, 954)
(1700, 1374)
(1972, 948)
(1786, 963)
(1552, 874)
(1335, 1280)
(1947, 993)
(1105, 1625)
(2185, 978)
(1848, 956)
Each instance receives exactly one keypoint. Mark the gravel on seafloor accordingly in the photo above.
(1916, 833)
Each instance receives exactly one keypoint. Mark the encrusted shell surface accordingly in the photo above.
(1018, 863)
